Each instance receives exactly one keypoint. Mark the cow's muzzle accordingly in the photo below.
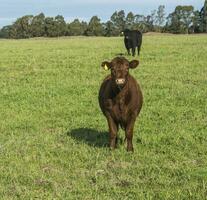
(120, 81)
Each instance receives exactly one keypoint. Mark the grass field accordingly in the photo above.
(53, 136)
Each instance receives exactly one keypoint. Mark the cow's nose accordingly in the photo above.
(120, 81)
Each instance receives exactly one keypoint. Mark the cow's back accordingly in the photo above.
(133, 39)
(136, 37)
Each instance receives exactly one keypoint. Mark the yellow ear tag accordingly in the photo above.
(106, 67)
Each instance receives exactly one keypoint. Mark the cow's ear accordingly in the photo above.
(133, 64)
(106, 65)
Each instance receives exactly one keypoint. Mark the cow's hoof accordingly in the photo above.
(130, 149)
(112, 148)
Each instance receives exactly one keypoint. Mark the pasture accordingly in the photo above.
(53, 136)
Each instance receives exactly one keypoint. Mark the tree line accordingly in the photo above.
(184, 19)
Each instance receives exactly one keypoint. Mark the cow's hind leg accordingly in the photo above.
(133, 51)
(128, 51)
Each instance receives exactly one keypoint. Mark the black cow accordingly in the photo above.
(132, 39)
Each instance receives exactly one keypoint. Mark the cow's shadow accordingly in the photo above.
(126, 55)
(89, 136)
(121, 54)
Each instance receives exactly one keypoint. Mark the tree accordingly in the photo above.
(203, 15)
(140, 23)
(76, 28)
(187, 16)
(5, 32)
(55, 27)
(160, 17)
(196, 26)
(22, 27)
(95, 28)
(38, 25)
(181, 19)
(145, 24)
(50, 29)
(60, 25)
(109, 29)
(130, 20)
(118, 21)
(150, 21)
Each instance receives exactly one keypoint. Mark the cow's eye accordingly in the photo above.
(127, 66)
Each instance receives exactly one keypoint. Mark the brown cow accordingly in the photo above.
(120, 99)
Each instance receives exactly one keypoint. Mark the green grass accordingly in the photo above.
(53, 136)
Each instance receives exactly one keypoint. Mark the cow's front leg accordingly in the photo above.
(128, 51)
(129, 133)
(113, 128)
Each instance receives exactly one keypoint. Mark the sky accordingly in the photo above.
(10, 10)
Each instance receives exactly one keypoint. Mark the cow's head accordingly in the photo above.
(119, 67)
(126, 33)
